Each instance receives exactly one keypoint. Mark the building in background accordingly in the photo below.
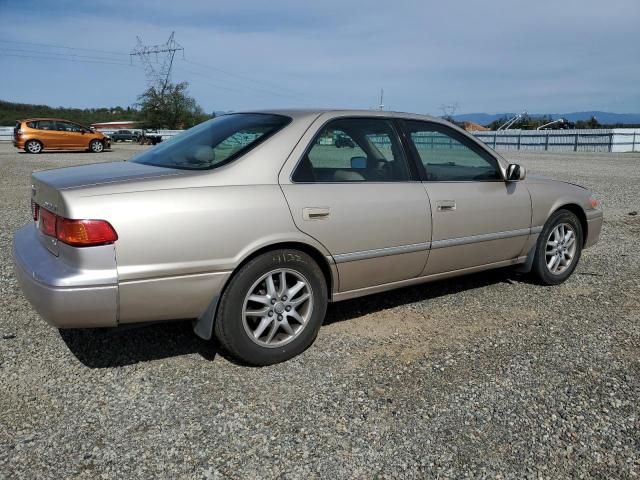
(128, 124)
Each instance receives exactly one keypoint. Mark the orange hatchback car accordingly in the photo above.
(36, 134)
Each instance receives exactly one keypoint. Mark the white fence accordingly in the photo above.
(6, 133)
(600, 140)
(166, 134)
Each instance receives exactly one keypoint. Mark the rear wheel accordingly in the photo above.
(96, 146)
(33, 146)
(272, 308)
(559, 248)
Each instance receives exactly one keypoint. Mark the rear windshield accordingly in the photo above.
(213, 143)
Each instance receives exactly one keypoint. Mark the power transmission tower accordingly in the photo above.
(448, 111)
(157, 60)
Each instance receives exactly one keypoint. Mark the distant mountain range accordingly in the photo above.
(605, 118)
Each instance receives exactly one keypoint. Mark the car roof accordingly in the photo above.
(304, 112)
(46, 118)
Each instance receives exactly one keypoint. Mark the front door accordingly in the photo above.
(73, 135)
(354, 191)
(478, 218)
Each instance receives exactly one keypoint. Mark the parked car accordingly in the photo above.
(37, 134)
(249, 225)
(125, 136)
(343, 141)
(149, 137)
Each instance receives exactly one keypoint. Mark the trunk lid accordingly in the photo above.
(99, 174)
(46, 185)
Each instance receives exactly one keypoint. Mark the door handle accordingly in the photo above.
(315, 213)
(445, 205)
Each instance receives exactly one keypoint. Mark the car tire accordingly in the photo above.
(33, 146)
(96, 146)
(266, 331)
(558, 248)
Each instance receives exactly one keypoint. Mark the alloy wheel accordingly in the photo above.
(277, 308)
(560, 249)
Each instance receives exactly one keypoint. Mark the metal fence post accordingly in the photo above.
(575, 143)
(546, 142)
(519, 137)
(611, 141)
(495, 137)
(633, 145)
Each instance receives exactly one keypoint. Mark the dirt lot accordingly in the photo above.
(483, 376)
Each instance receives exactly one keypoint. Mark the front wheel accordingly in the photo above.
(273, 308)
(96, 146)
(559, 248)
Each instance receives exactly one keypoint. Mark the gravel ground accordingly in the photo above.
(481, 376)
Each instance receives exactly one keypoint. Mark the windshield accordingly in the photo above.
(213, 143)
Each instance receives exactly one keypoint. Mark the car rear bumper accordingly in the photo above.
(594, 226)
(64, 295)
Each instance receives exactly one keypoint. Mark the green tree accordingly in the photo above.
(591, 123)
(170, 106)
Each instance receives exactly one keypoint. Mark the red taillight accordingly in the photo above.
(78, 233)
(84, 233)
(47, 222)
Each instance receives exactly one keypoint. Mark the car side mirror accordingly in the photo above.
(515, 172)
(359, 163)
(83, 131)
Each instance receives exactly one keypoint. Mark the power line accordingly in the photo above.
(240, 76)
(51, 45)
(240, 87)
(153, 60)
(77, 60)
(60, 54)
(207, 79)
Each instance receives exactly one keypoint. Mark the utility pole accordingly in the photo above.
(157, 60)
(381, 105)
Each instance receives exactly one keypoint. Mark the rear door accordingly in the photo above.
(478, 218)
(354, 191)
(48, 134)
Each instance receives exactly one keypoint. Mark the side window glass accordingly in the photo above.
(334, 148)
(446, 157)
(354, 150)
(46, 125)
(68, 127)
(236, 142)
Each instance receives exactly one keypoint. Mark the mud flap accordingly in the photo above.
(203, 325)
(528, 265)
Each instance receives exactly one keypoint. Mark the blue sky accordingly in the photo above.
(490, 56)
